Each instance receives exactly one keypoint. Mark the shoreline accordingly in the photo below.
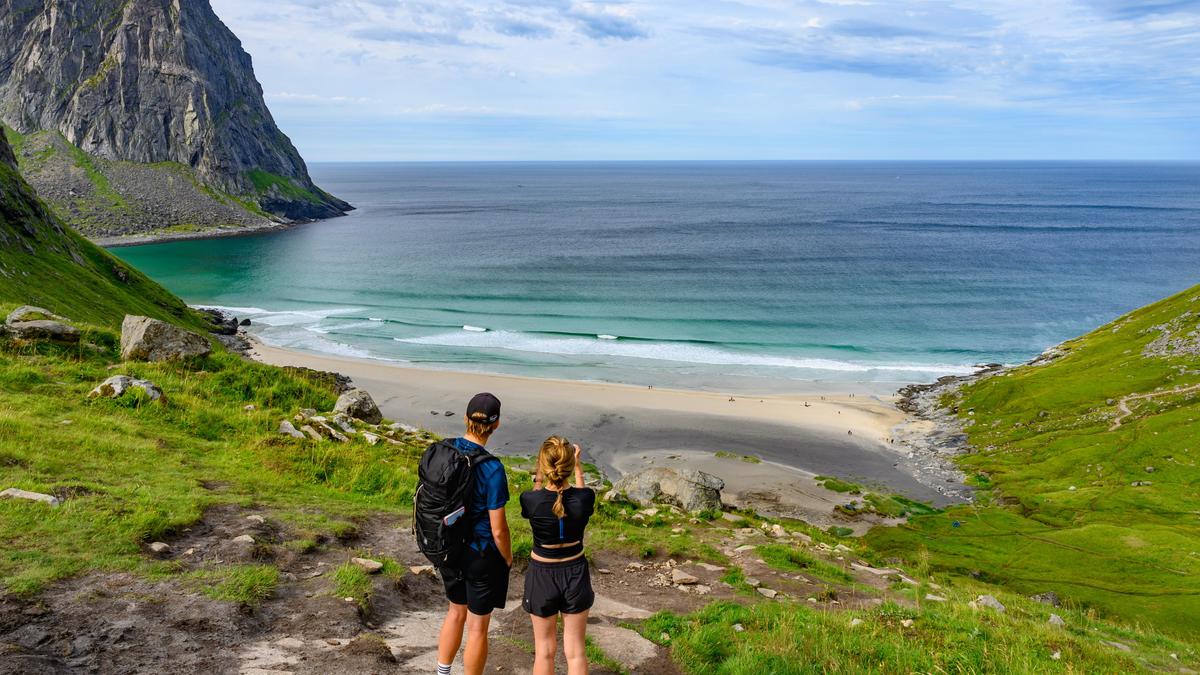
(122, 241)
(622, 427)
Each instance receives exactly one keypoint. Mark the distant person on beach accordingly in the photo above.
(478, 582)
(558, 580)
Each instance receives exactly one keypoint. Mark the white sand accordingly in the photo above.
(835, 434)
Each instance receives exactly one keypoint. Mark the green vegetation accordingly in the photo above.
(782, 638)
(264, 182)
(247, 585)
(792, 559)
(749, 459)
(352, 582)
(67, 274)
(836, 485)
(101, 73)
(1069, 501)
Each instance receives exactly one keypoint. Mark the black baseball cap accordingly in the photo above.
(484, 408)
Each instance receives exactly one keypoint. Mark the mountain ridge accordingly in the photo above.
(150, 82)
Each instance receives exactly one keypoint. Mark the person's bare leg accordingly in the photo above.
(450, 638)
(574, 642)
(545, 644)
(475, 655)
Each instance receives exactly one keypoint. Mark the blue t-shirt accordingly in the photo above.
(491, 493)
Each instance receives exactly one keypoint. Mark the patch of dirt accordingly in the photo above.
(121, 623)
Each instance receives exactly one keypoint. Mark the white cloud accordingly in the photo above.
(726, 74)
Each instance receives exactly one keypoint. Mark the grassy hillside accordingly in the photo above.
(1088, 473)
(45, 263)
(132, 472)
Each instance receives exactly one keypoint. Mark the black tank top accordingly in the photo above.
(538, 507)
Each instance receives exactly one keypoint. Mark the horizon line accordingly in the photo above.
(755, 161)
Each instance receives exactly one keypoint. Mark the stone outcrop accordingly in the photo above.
(117, 385)
(149, 82)
(35, 323)
(16, 493)
(146, 339)
(688, 489)
(357, 403)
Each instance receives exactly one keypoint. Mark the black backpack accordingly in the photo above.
(445, 483)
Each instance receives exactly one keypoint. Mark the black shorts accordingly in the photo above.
(480, 581)
(551, 588)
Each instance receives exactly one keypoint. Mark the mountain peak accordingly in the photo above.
(147, 82)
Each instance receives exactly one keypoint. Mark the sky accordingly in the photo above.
(379, 80)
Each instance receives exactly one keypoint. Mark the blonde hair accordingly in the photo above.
(556, 463)
(481, 430)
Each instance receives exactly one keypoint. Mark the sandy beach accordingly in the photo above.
(623, 428)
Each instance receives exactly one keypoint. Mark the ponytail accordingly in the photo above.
(556, 461)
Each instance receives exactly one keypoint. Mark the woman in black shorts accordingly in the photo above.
(558, 581)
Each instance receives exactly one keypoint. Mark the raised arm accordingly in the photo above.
(578, 467)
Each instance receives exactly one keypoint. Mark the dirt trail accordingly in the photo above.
(124, 623)
(1123, 404)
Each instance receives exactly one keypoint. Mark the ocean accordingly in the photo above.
(725, 276)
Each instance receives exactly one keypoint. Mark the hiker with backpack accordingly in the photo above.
(558, 580)
(460, 526)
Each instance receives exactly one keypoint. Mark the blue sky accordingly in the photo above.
(728, 79)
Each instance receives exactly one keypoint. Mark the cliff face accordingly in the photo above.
(149, 81)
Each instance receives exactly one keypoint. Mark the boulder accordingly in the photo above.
(990, 602)
(1056, 620)
(678, 576)
(35, 323)
(146, 339)
(117, 385)
(15, 493)
(357, 403)
(30, 313)
(624, 646)
(369, 566)
(286, 428)
(343, 422)
(1048, 598)
(687, 488)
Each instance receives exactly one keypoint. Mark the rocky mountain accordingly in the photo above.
(116, 101)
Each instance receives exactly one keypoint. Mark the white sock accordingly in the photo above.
(443, 669)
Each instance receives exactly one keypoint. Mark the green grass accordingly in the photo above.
(248, 585)
(264, 182)
(99, 181)
(351, 581)
(837, 485)
(782, 638)
(791, 559)
(1057, 508)
(89, 285)
(749, 459)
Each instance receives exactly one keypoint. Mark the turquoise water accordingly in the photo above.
(724, 276)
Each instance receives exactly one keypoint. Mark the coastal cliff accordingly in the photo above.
(116, 105)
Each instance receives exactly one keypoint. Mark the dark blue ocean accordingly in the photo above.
(725, 276)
